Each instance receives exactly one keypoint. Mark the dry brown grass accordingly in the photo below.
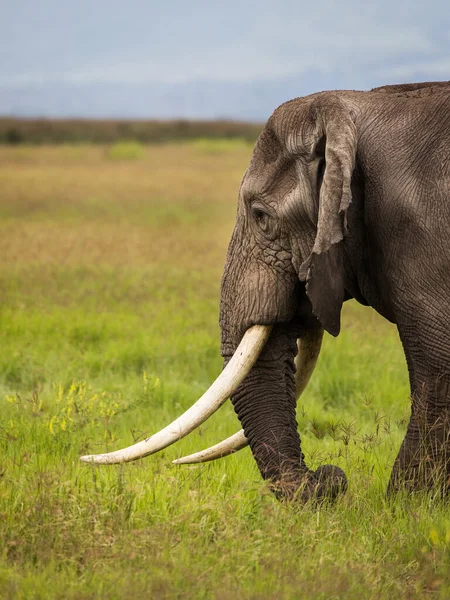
(74, 206)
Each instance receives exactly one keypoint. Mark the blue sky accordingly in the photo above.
(198, 58)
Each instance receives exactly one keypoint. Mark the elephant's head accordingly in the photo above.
(285, 267)
(284, 274)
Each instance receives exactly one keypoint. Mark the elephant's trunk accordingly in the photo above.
(265, 404)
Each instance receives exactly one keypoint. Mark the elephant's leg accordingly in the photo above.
(423, 461)
(424, 458)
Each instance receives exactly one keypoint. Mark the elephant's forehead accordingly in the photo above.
(258, 178)
(264, 163)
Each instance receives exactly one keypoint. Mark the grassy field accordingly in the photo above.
(111, 262)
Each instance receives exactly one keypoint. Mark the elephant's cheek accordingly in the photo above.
(255, 293)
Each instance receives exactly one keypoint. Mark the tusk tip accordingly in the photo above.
(98, 459)
(87, 458)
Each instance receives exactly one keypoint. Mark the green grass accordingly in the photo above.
(108, 323)
(220, 145)
(125, 151)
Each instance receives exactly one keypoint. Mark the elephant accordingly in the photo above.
(346, 196)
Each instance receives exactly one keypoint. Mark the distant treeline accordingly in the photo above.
(70, 131)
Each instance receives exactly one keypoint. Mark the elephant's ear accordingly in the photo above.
(323, 270)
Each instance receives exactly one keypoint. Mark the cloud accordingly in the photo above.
(205, 59)
(436, 68)
(245, 60)
(239, 41)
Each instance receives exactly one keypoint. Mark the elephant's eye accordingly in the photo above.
(261, 217)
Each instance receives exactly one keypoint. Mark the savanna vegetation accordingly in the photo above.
(75, 131)
(111, 262)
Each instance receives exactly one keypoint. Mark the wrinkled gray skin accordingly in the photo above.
(346, 196)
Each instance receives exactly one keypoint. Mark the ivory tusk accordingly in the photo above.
(231, 377)
(232, 444)
(308, 352)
